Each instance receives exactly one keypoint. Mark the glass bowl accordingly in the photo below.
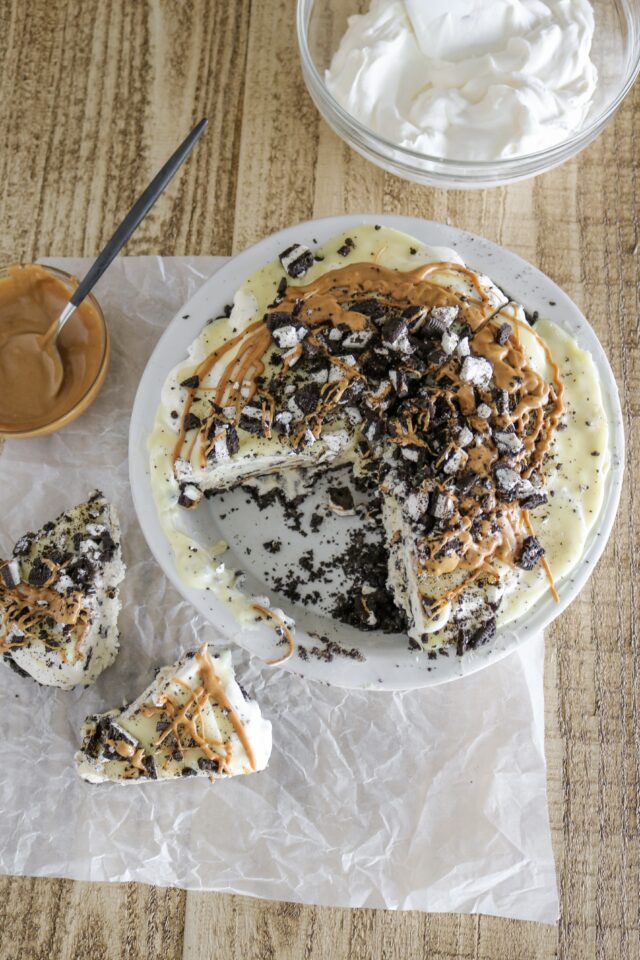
(92, 390)
(615, 52)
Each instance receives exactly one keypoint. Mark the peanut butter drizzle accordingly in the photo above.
(451, 594)
(137, 758)
(324, 302)
(123, 749)
(201, 371)
(543, 561)
(215, 690)
(187, 721)
(534, 420)
(184, 718)
(281, 625)
(321, 301)
(27, 607)
(318, 304)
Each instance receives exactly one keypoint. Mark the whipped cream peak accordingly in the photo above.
(459, 29)
(468, 80)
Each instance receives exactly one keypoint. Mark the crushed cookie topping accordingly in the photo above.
(449, 414)
(53, 591)
(181, 726)
(24, 607)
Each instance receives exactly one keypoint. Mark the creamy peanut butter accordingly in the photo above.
(31, 394)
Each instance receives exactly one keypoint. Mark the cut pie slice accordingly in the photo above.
(466, 520)
(193, 720)
(59, 600)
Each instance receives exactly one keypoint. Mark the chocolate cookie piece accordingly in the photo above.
(208, 765)
(357, 340)
(504, 332)
(277, 318)
(441, 506)
(39, 574)
(307, 398)
(482, 634)
(532, 553)
(400, 382)
(536, 499)
(394, 331)
(233, 441)
(282, 422)
(369, 308)
(507, 481)
(289, 334)
(191, 422)
(508, 443)
(252, 419)
(341, 501)
(296, 260)
(190, 496)
(346, 247)
(10, 573)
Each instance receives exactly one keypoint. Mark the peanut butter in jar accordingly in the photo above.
(32, 402)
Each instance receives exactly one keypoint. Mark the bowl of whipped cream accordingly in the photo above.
(467, 93)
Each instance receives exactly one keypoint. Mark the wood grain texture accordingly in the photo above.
(81, 138)
(50, 919)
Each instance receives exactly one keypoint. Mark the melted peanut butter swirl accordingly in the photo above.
(25, 609)
(185, 723)
(469, 445)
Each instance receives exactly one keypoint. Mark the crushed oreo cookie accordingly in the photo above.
(531, 554)
(341, 501)
(296, 260)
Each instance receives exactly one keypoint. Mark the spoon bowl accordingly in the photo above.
(32, 358)
(31, 368)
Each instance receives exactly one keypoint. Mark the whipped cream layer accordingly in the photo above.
(193, 720)
(574, 470)
(59, 600)
(479, 81)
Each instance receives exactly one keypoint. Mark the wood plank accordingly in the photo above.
(279, 130)
(44, 919)
(239, 928)
(82, 143)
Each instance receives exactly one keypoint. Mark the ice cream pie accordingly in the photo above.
(193, 720)
(59, 597)
(484, 434)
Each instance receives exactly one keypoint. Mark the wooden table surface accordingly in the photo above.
(82, 132)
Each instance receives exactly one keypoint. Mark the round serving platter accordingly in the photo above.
(382, 661)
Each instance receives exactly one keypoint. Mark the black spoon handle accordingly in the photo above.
(137, 213)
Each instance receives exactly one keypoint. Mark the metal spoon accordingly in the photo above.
(48, 341)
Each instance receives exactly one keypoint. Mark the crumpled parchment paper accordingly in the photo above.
(430, 800)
